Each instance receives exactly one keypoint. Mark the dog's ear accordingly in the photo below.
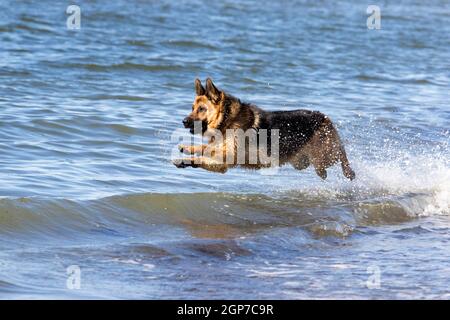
(199, 90)
(212, 92)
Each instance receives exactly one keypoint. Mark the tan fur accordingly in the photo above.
(322, 151)
(221, 112)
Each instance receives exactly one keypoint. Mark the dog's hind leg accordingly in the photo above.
(300, 162)
(321, 172)
(346, 169)
(335, 150)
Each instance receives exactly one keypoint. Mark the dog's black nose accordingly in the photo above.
(186, 122)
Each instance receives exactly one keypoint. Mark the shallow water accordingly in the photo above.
(87, 122)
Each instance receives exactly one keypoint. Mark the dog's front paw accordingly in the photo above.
(186, 162)
(185, 149)
(180, 163)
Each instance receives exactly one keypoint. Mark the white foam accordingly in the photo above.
(427, 176)
(419, 182)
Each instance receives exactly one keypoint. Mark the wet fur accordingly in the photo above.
(306, 137)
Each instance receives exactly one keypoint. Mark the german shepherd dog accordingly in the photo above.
(305, 137)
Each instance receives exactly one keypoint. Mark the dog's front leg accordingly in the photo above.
(201, 162)
(190, 149)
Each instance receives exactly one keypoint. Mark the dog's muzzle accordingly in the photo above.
(188, 123)
(191, 125)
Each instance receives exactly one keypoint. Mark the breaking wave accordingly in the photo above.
(386, 193)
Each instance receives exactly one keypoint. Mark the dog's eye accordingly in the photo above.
(201, 109)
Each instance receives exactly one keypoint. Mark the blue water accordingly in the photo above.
(90, 119)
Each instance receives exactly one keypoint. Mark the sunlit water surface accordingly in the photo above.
(87, 122)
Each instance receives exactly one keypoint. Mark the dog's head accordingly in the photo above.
(207, 107)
